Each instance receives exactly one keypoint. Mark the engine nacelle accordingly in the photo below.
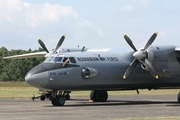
(150, 56)
(88, 72)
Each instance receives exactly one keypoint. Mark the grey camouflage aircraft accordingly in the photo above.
(151, 67)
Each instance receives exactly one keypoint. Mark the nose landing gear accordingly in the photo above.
(58, 98)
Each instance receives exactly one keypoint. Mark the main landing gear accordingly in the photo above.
(178, 97)
(58, 98)
(99, 95)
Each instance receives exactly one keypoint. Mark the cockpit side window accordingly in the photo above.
(49, 59)
(72, 59)
(65, 60)
(57, 59)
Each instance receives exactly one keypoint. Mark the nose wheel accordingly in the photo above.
(58, 98)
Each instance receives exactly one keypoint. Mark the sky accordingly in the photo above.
(89, 23)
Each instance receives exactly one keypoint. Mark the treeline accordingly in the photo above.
(16, 69)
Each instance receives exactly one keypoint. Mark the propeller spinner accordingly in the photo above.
(57, 47)
(140, 56)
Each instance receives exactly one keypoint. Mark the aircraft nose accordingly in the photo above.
(37, 77)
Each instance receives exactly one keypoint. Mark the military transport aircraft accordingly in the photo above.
(151, 67)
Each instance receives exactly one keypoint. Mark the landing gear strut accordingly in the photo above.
(99, 95)
(58, 98)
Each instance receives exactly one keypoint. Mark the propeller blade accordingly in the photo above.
(60, 43)
(128, 40)
(151, 40)
(43, 45)
(130, 68)
(150, 68)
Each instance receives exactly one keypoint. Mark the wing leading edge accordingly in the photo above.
(29, 55)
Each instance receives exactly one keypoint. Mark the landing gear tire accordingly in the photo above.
(58, 101)
(43, 97)
(178, 97)
(93, 95)
(99, 95)
(53, 101)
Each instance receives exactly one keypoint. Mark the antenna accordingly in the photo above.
(83, 49)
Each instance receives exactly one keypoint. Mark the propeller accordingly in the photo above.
(60, 43)
(140, 56)
(43, 45)
(57, 47)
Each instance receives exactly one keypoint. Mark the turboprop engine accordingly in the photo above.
(150, 59)
(141, 55)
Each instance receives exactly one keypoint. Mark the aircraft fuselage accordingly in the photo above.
(105, 70)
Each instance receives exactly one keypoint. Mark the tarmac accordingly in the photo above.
(79, 108)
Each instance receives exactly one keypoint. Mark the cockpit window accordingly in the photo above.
(57, 59)
(72, 59)
(66, 60)
(49, 59)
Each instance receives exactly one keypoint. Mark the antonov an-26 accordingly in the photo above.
(151, 67)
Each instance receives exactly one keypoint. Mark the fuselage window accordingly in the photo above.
(72, 59)
(57, 59)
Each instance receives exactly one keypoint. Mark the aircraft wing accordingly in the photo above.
(42, 54)
(29, 55)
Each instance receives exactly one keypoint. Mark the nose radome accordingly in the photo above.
(38, 77)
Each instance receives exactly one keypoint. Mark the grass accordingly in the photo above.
(16, 90)
(14, 84)
(23, 90)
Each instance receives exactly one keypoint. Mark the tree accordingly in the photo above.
(15, 70)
